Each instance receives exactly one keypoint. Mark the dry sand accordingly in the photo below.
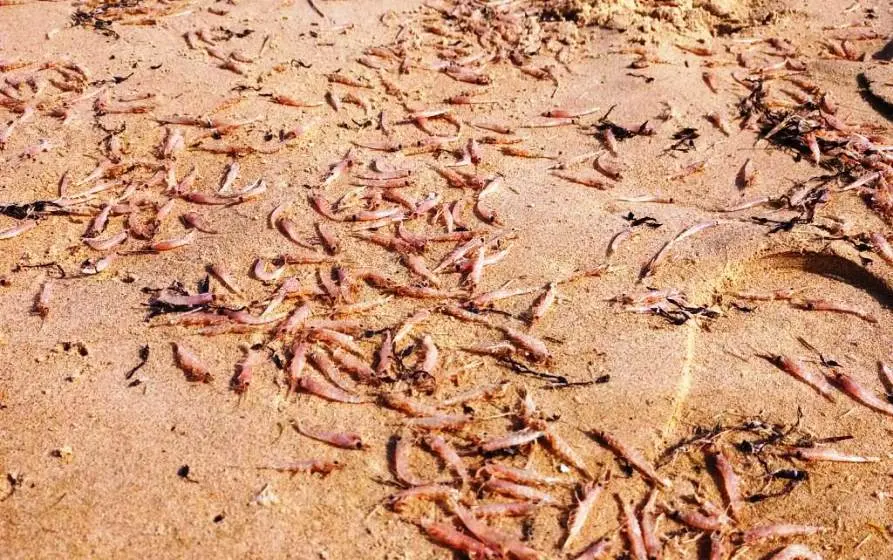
(118, 494)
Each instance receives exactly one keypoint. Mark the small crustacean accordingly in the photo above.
(651, 266)
(504, 544)
(779, 530)
(632, 530)
(448, 455)
(505, 509)
(700, 521)
(812, 454)
(482, 392)
(191, 364)
(518, 491)
(882, 247)
(542, 303)
(711, 80)
(171, 244)
(338, 78)
(318, 466)
(15, 231)
(814, 304)
(631, 456)
(447, 535)
(512, 439)
(96, 267)
(535, 348)
(784, 294)
(565, 452)
(408, 406)
(861, 394)
(41, 305)
(719, 122)
(194, 220)
(795, 552)
(245, 371)
(585, 180)
(797, 369)
(746, 175)
(595, 551)
(344, 440)
(731, 482)
(520, 476)
(586, 498)
(292, 102)
(441, 422)
(338, 168)
(648, 522)
(327, 391)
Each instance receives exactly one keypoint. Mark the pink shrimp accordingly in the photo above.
(825, 454)
(191, 364)
(354, 365)
(505, 509)
(448, 455)
(483, 392)
(861, 394)
(245, 371)
(797, 369)
(409, 323)
(309, 466)
(834, 307)
(15, 231)
(106, 244)
(171, 244)
(731, 482)
(194, 220)
(795, 552)
(700, 521)
(586, 498)
(441, 422)
(648, 522)
(327, 391)
(408, 406)
(499, 541)
(632, 530)
(588, 181)
(631, 456)
(41, 305)
(565, 452)
(595, 551)
(535, 348)
(521, 476)
(518, 491)
(447, 535)
(344, 440)
(512, 439)
(779, 530)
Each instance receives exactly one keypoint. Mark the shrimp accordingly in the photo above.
(447, 535)
(482, 392)
(631, 456)
(344, 440)
(448, 455)
(245, 372)
(309, 466)
(586, 498)
(834, 307)
(354, 365)
(493, 538)
(505, 509)
(512, 439)
(565, 113)
(746, 175)
(651, 266)
(595, 551)
(518, 491)
(779, 530)
(711, 81)
(170, 244)
(445, 422)
(336, 78)
(297, 363)
(191, 364)
(515, 151)
(861, 394)
(719, 122)
(338, 168)
(521, 476)
(731, 482)
(41, 305)
(797, 369)
(811, 454)
(587, 181)
(327, 391)
(292, 102)
(194, 220)
(882, 247)
(795, 552)
(701, 522)
(409, 323)
(106, 244)
(15, 231)
(542, 303)
(633, 530)
(565, 452)
(648, 522)
(535, 348)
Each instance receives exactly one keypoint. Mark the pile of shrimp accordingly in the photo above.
(447, 241)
